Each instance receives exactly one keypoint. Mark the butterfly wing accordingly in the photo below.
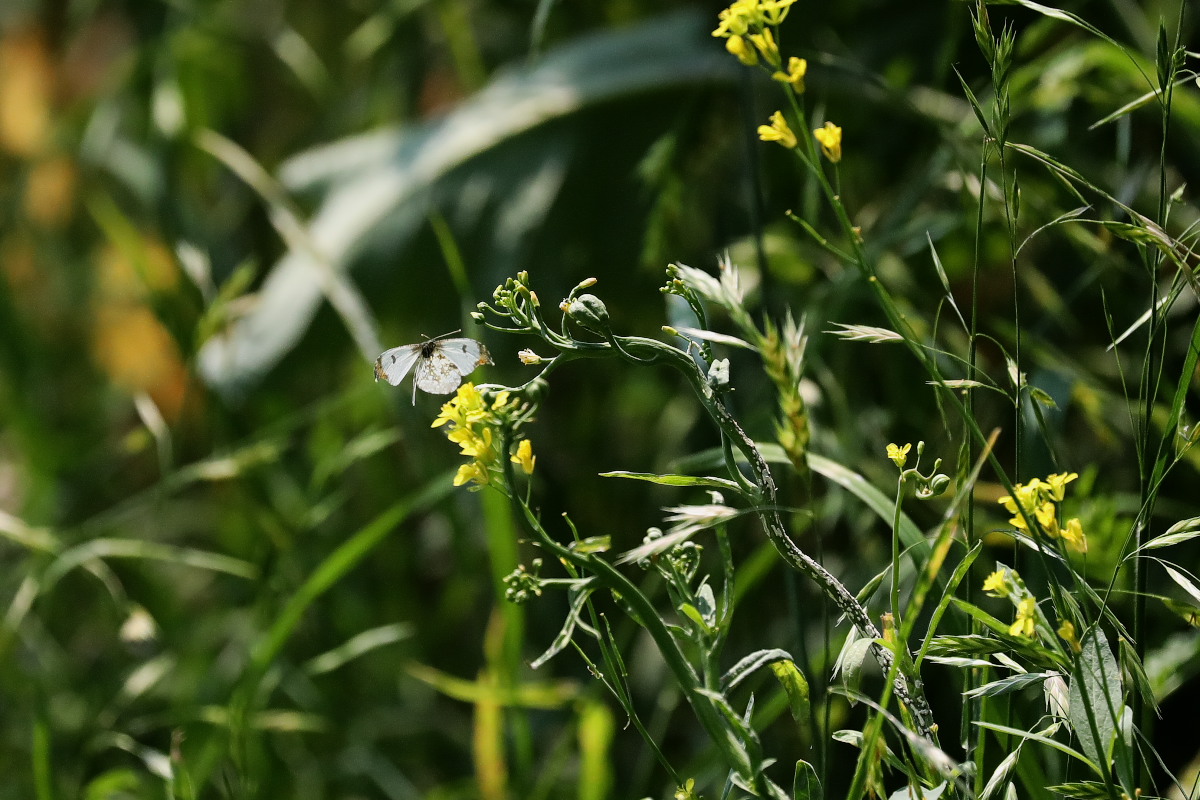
(437, 373)
(467, 354)
(394, 364)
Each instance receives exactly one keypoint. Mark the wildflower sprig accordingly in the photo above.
(478, 421)
(585, 331)
(1035, 509)
(748, 29)
(927, 486)
(1030, 621)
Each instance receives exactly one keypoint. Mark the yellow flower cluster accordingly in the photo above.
(1006, 583)
(744, 16)
(1039, 499)
(746, 28)
(472, 418)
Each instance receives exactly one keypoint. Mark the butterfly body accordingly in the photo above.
(438, 366)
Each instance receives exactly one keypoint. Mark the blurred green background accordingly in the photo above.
(214, 215)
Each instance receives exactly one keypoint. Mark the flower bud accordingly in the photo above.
(529, 358)
(589, 311)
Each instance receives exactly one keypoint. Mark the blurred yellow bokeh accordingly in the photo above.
(26, 84)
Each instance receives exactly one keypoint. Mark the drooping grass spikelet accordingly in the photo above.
(783, 361)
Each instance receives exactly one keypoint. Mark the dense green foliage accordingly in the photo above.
(236, 566)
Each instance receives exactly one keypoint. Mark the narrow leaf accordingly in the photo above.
(1183, 581)
(1012, 683)
(675, 480)
(748, 665)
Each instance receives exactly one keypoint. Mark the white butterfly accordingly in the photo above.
(438, 365)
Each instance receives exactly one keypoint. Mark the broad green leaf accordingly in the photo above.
(850, 660)
(1095, 697)
(795, 686)
(806, 785)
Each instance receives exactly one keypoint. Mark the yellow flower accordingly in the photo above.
(777, 131)
(739, 18)
(1024, 625)
(898, 454)
(524, 456)
(1067, 632)
(1039, 499)
(475, 445)
(996, 584)
(1057, 483)
(744, 52)
(1073, 535)
(765, 42)
(1028, 496)
(797, 69)
(471, 472)
(775, 11)
(465, 407)
(830, 139)
(1047, 517)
